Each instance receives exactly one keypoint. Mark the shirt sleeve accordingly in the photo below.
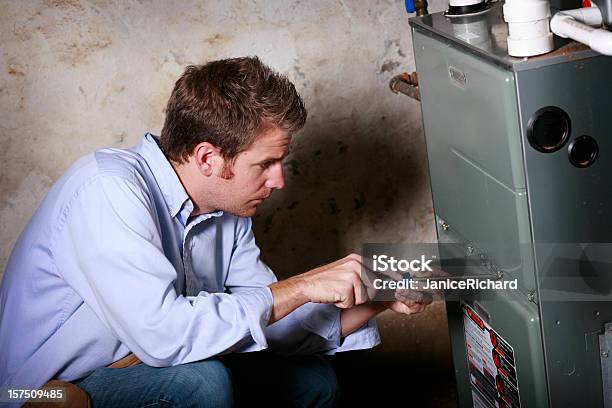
(315, 328)
(108, 248)
(311, 328)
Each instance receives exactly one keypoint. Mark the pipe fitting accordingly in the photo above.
(575, 24)
(421, 7)
(406, 84)
(528, 30)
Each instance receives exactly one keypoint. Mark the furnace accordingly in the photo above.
(520, 161)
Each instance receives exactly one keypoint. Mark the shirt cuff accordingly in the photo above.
(363, 338)
(324, 320)
(257, 305)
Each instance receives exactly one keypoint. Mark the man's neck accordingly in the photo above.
(185, 175)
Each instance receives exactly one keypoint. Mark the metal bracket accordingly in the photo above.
(605, 354)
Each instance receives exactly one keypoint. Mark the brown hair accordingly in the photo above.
(228, 103)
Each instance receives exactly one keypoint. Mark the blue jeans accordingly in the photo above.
(249, 379)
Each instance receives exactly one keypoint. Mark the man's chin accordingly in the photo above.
(250, 212)
(244, 212)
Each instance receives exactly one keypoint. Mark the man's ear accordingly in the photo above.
(208, 158)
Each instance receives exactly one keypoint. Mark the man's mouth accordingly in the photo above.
(261, 198)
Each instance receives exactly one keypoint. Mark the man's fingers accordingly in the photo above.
(408, 307)
(405, 295)
(402, 308)
(340, 283)
(416, 307)
(359, 290)
(368, 279)
(346, 301)
(395, 275)
(355, 257)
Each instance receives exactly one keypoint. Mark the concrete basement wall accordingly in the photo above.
(80, 75)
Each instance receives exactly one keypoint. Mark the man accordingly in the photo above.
(150, 251)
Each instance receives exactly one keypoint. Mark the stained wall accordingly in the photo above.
(80, 75)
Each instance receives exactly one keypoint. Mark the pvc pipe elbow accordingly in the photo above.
(565, 24)
(557, 24)
(588, 15)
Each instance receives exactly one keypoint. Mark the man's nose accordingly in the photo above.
(276, 177)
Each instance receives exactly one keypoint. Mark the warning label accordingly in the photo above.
(491, 362)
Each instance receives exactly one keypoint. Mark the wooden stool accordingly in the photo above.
(75, 396)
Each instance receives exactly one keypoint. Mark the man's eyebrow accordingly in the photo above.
(274, 158)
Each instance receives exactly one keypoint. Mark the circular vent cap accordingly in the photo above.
(548, 129)
(583, 151)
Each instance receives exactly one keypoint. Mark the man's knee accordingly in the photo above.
(202, 384)
(323, 383)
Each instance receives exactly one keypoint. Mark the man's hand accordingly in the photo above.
(409, 307)
(355, 317)
(420, 294)
(411, 301)
(338, 283)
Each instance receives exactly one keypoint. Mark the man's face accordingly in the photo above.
(256, 172)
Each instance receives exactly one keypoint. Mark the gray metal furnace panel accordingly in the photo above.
(475, 155)
(513, 317)
(489, 136)
(572, 205)
(605, 349)
(522, 331)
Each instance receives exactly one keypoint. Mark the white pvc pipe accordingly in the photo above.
(528, 30)
(566, 24)
(464, 2)
(587, 15)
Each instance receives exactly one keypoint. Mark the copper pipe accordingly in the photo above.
(420, 7)
(406, 83)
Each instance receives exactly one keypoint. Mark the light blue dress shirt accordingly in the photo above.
(111, 263)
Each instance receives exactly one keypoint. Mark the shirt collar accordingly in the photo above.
(168, 181)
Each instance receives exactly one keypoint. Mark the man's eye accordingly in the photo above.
(265, 165)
